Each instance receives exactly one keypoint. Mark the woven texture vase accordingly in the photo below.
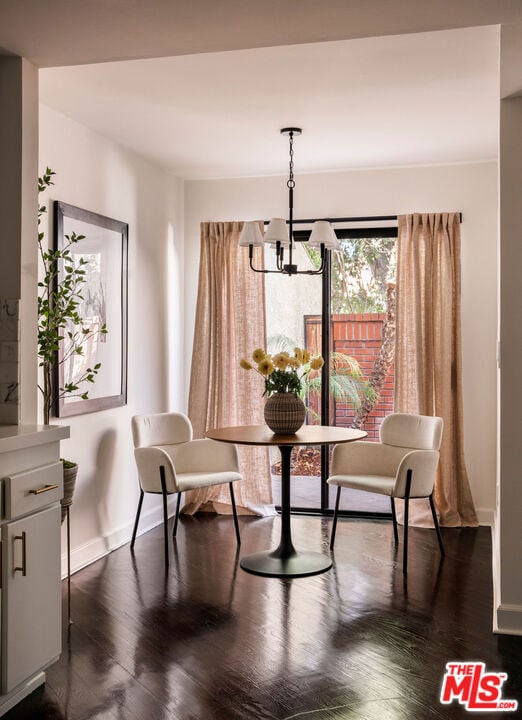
(69, 481)
(284, 413)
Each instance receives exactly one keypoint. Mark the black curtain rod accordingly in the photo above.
(370, 218)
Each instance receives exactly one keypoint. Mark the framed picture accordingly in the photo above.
(102, 254)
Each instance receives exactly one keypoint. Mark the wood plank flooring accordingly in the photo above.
(306, 493)
(211, 642)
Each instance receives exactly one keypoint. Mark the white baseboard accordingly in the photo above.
(99, 547)
(507, 619)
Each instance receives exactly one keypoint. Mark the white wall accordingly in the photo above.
(470, 189)
(508, 538)
(97, 175)
(18, 249)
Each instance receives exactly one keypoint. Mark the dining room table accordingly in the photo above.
(285, 561)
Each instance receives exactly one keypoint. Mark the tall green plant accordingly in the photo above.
(59, 319)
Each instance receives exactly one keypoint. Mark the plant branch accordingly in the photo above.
(60, 324)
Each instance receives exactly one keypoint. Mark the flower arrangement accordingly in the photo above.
(282, 372)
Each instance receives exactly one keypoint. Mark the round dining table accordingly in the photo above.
(285, 561)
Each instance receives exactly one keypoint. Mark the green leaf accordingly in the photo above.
(58, 303)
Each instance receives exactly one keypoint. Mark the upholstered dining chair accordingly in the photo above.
(402, 465)
(169, 461)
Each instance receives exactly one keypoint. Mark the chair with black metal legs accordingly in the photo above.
(402, 465)
(169, 461)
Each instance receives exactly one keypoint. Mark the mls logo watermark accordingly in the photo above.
(473, 687)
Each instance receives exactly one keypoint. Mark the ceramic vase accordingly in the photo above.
(284, 413)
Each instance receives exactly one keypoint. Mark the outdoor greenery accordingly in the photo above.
(347, 383)
(59, 313)
(361, 269)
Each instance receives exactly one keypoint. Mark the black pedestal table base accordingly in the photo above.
(285, 561)
(297, 565)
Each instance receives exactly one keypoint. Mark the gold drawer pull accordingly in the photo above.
(22, 569)
(43, 489)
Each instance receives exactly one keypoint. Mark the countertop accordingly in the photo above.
(18, 437)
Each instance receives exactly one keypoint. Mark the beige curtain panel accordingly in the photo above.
(230, 323)
(428, 352)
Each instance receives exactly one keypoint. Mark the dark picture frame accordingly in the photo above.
(105, 248)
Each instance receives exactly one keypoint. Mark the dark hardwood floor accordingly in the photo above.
(209, 641)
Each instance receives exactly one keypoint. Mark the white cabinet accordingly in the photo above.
(31, 479)
(31, 596)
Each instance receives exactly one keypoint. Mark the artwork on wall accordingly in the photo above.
(103, 252)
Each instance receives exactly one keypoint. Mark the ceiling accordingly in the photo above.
(73, 32)
(372, 83)
(407, 99)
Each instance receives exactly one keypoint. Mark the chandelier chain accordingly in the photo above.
(281, 236)
(291, 181)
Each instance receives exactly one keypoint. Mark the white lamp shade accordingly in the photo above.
(251, 234)
(323, 234)
(277, 230)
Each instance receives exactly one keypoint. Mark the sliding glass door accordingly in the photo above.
(347, 315)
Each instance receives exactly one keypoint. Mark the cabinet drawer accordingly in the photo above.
(33, 489)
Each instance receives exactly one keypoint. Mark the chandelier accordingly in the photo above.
(278, 236)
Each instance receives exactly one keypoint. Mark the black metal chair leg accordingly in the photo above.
(406, 520)
(436, 523)
(336, 511)
(165, 515)
(236, 523)
(394, 520)
(138, 512)
(177, 516)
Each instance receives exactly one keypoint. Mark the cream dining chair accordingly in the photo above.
(169, 461)
(402, 465)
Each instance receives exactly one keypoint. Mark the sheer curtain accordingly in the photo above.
(428, 351)
(230, 323)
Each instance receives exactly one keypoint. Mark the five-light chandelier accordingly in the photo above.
(278, 236)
